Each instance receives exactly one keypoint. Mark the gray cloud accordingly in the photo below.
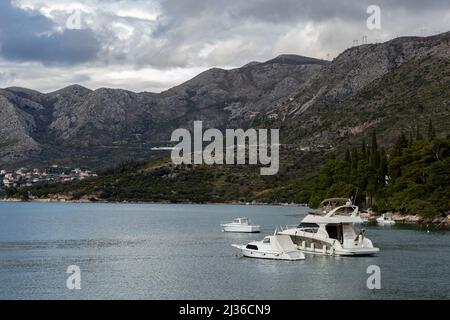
(247, 30)
(286, 11)
(30, 36)
(152, 44)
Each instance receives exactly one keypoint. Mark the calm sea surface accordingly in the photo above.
(153, 251)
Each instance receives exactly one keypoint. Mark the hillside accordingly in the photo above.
(386, 87)
(322, 108)
(77, 126)
(161, 181)
(412, 177)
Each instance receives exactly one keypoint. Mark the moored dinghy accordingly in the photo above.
(276, 247)
(384, 220)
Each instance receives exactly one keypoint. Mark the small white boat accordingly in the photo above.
(383, 220)
(241, 225)
(363, 221)
(276, 247)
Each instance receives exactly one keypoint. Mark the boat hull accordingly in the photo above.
(386, 223)
(241, 229)
(342, 252)
(271, 255)
(329, 247)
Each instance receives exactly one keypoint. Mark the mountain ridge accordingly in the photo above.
(77, 125)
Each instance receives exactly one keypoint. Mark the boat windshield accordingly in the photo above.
(345, 211)
(308, 227)
(266, 240)
(329, 204)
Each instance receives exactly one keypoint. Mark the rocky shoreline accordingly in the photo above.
(408, 218)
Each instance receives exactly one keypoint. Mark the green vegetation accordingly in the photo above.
(160, 181)
(413, 178)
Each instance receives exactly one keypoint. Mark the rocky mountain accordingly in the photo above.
(388, 86)
(105, 126)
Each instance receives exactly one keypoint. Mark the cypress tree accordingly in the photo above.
(354, 157)
(347, 157)
(374, 150)
(418, 134)
(411, 139)
(374, 141)
(363, 149)
(377, 159)
(431, 131)
(400, 144)
(383, 169)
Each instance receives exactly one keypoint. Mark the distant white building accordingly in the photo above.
(22, 171)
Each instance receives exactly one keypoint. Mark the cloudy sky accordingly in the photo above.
(151, 45)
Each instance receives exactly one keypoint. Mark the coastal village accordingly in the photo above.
(24, 177)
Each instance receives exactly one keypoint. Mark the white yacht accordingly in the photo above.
(383, 220)
(332, 233)
(240, 225)
(277, 247)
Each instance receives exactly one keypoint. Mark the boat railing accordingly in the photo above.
(287, 227)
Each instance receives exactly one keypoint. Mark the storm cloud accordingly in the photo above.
(27, 35)
(152, 45)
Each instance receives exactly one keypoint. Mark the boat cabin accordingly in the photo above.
(241, 221)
